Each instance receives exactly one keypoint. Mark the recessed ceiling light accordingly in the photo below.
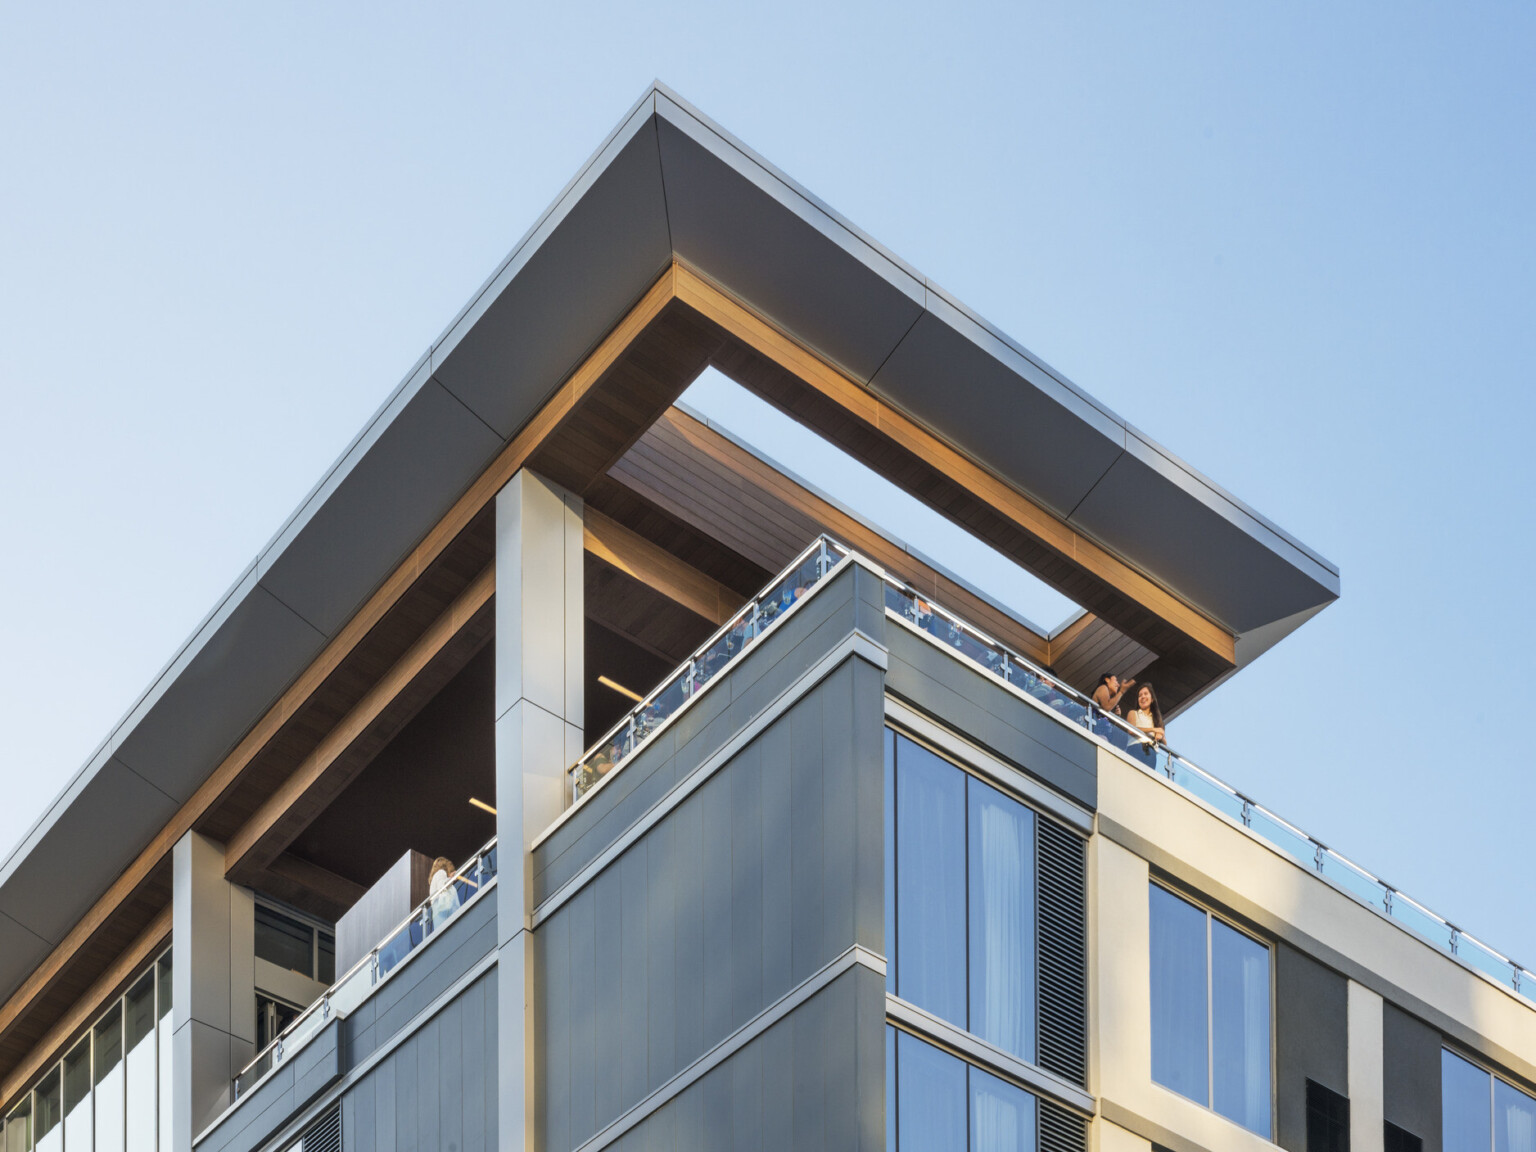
(620, 689)
(481, 804)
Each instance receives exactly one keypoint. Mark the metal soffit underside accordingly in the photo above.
(666, 185)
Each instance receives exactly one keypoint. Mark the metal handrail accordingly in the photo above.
(662, 704)
(1360, 883)
(476, 873)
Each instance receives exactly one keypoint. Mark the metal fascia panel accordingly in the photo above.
(379, 507)
(219, 692)
(979, 394)
(594, 254)
(747, 228)
(115, 815)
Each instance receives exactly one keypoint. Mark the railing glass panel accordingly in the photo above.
(646, 718)
(432, 915)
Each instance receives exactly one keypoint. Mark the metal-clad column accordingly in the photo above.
(213, 996)
(539, 709)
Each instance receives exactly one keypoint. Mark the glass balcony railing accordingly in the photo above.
(755, 620)
(813, 565)
(430, 916)
(1075, 708)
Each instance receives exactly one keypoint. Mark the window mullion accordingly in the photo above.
(1210, 1020)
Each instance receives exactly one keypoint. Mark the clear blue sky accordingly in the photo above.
(1294, 243)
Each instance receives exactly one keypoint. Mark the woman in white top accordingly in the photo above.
(441, 890)
(1147, 716)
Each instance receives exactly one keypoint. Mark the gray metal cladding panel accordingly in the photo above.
(541, 316)
(764, 242)
(116, 812)
(984, 711)
(272, 1104)
(724, 708)
(430, 971)
(1311, 1039)
(1001, 408)
(21, 951)
(814, 1082)
(403, 481)
(1230, 564)
(436, 1092)
(252, 655)
(747, 888)
(1411, 1075)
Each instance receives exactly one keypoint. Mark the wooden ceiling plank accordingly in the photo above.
(637, 557)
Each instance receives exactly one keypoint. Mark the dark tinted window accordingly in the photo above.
(1401, 1140)
(1327, 1119)
(284, 941)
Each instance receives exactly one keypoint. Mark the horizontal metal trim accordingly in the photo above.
(1135, 1122)
(979, 1052)
(854, 957)
(855, 643)
(985, 764)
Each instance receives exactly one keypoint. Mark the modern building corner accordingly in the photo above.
(567, 775)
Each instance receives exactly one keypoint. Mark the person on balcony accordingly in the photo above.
(1147, 717)
(1111, 688)
(441, 891)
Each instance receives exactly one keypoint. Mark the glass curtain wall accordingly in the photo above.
(936, 1102)
(1210, 1011)
(960, 897)
(111, 1092)
(1481, 1112)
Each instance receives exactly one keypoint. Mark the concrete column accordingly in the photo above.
(539, 710)
(213, 997)
(1366, 1091)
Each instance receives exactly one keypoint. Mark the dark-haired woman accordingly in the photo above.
(1147, 716)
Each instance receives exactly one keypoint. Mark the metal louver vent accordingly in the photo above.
(1060, 1130)
(1061, 863)
(324, 1134)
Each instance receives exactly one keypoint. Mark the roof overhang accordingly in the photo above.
(667, 185)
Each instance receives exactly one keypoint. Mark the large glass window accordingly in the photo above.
(107, 1050)
(111, 1091)
(285, 941)
(1210, 1011)
(960, 897)
(936, 1102)
(18, 1126)
(139, 1016)
(163, 1042)
(77, 1096)
(48, 1114)
(1481, 1112)
(295, 944)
